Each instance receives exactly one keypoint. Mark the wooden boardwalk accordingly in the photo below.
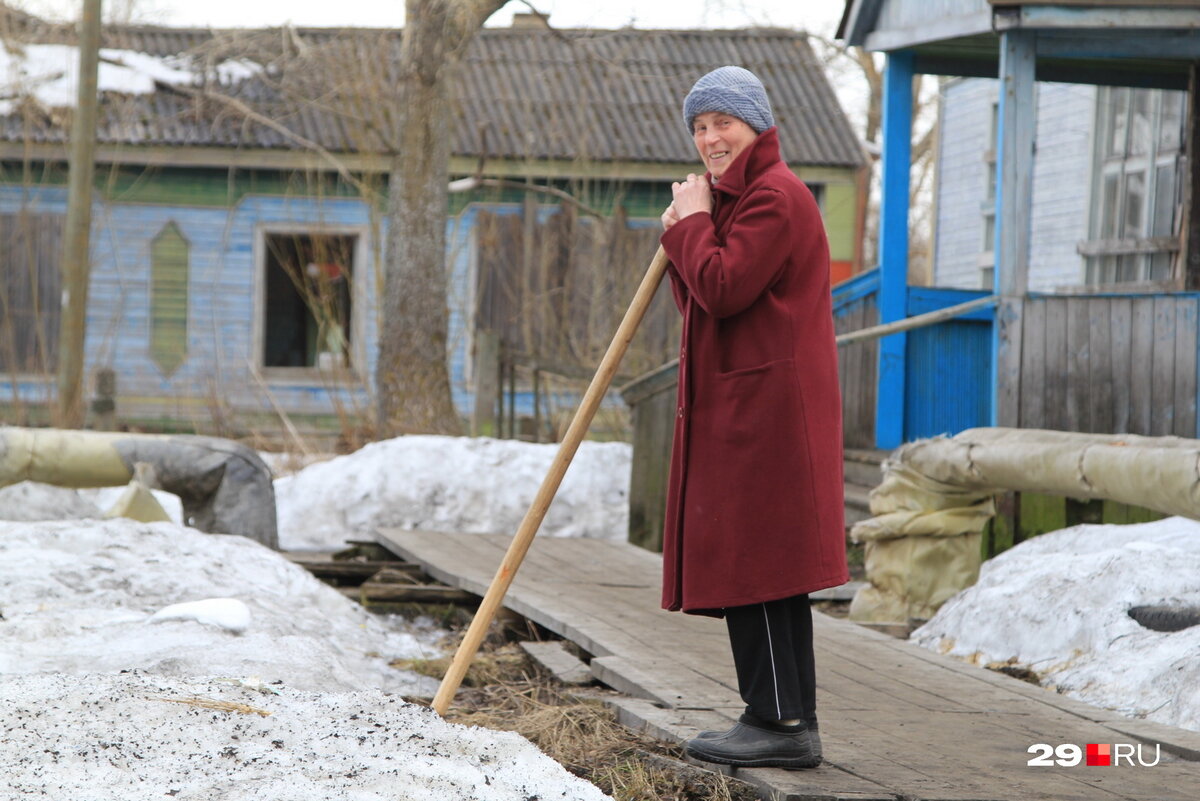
(898, 722)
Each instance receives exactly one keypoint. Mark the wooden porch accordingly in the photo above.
(898, 722)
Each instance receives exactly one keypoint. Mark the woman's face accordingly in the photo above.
(720, 138)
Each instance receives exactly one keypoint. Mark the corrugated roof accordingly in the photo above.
(523, 93)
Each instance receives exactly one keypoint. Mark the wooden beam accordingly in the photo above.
(893, 245)
(285, 159)
(1120, 45)
(76, 257)
(1042, 17)
(932, 29)
(1017, 123)
(1191, 214)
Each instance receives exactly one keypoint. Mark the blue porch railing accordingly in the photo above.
(947, 365)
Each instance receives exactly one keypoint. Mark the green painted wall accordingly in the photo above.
(204, 187)
(839, 212)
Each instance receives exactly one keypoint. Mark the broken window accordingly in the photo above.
(308, 300)
(30, 292)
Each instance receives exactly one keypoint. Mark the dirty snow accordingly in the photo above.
(1058, 604)
(138, 736)
(79, 597)
(49, 73)
(472, 485)
(101, 698)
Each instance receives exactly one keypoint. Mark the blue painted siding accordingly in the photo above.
(224, 299)
(223, 294)
(947, 387)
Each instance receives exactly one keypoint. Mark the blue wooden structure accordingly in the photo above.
(1127, 43)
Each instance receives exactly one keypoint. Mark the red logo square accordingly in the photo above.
(1099, 754)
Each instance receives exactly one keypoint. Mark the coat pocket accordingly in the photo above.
(754, 405)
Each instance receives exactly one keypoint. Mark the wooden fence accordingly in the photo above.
(1110, 364)
(30, 294)
(554, 291)
(857, 366)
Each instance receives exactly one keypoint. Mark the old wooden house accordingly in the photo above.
(239, 205)
(1065, 190)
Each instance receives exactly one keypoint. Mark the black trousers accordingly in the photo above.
(772, 646)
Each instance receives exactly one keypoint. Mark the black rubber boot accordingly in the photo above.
(814, 737)
(754, 743)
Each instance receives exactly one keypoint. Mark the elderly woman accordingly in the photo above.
(755, 500)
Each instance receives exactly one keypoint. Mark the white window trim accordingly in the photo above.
(357, 372)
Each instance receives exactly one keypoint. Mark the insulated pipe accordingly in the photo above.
(558, 468)
(224, 486)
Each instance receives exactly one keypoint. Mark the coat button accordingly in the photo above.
(681, 411)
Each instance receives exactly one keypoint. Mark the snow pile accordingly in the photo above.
(30, 500)
(1059, 603)
(79, 597)
(226, 613)
(143, 661)
(473, 485)
(131, 737)
(50, 73)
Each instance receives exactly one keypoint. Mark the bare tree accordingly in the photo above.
(852, 64)
(412, 381)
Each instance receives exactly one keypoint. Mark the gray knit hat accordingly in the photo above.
(730, 90)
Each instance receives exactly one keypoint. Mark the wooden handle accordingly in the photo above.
(558, 468)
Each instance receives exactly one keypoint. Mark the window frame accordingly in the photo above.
(1109, 247)
(354, 373)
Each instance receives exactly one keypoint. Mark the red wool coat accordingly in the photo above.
(755, 498)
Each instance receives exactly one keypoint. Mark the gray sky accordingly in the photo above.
(818, 16)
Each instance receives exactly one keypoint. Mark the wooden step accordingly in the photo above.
(858, 505)
(863, 467)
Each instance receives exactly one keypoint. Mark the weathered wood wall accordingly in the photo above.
(30, 294)
(1114, 364)
(858, 372)
(556, 289)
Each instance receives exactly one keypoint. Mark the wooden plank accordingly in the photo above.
(1120, 319)
(894, 717)
(1185, 367)
(1056, 363)
(348, 570)
(1099, 387)
(388, 593)
(1162, 386)
(1033, 365)
(1078, 365)
(553, 657)
(1141, 369)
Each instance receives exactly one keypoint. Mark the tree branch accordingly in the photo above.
(474, 182)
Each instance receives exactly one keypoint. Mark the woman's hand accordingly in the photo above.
(691, 196)
(669, 217)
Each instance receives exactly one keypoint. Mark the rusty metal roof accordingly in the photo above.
(524, 93)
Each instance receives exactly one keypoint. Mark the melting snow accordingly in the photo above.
(50, 73)
(1059, 603)
(472, 485)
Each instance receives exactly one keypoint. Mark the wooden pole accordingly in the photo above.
(558, 468)
(1189, 269)
(75, 263)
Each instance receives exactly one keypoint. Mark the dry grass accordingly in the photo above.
(503, 690)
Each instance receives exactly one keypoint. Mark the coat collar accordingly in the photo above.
(762, 153)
